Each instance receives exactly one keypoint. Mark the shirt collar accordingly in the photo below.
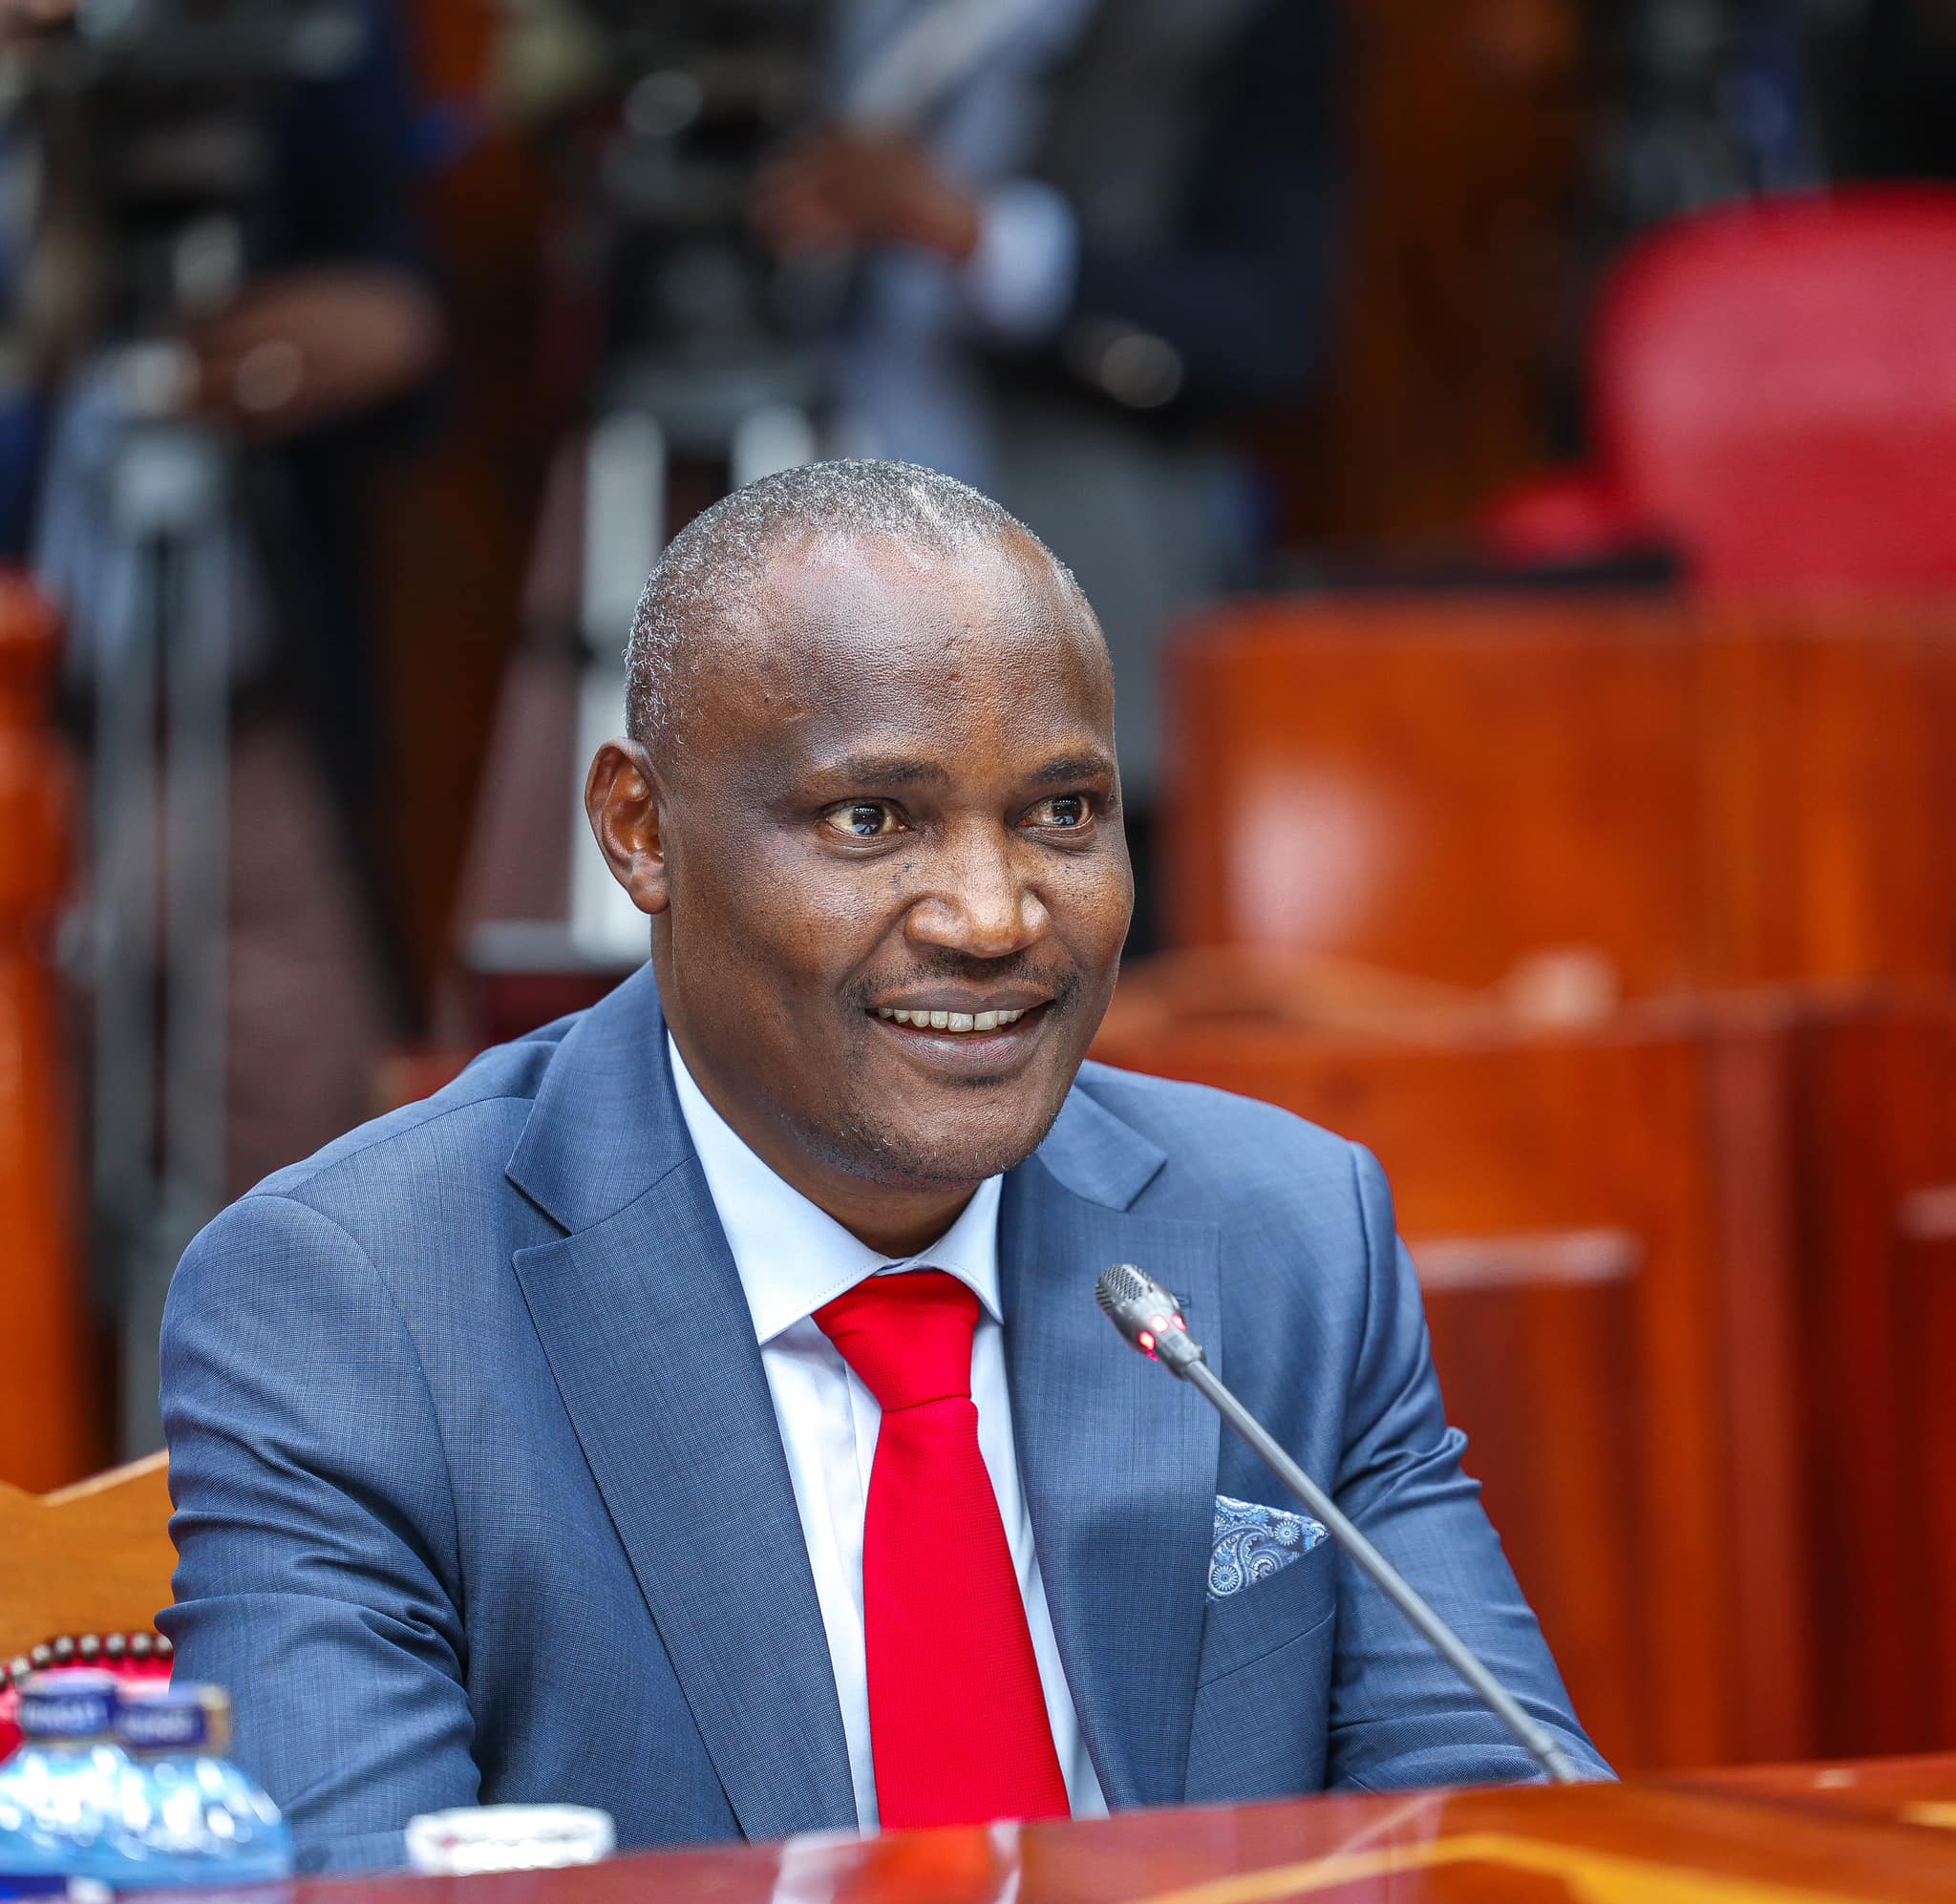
(792, 1256)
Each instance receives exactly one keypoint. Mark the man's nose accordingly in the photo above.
(981, 904)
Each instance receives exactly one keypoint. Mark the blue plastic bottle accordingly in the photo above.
(58, 1793)
(184, 1814)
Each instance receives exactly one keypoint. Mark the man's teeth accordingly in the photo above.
(952, 1021)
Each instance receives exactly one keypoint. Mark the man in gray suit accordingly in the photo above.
(700, 1410)
(1108, 241)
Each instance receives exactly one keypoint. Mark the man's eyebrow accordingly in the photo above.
(903, 770)
(1073, 766)
(883, 770)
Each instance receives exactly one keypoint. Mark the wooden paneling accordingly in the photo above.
(1927, 1225)
(1599, 1250)
(1466, 144)
(1705, 798)
(50, 1431)
(1829, 789)
(1877, 1097)
(1438, 788)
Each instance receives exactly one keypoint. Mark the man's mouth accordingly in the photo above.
(961, 1024)
(963, 1031)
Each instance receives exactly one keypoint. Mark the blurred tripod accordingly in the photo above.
(714, 368)
(153, 121)
(161, 652)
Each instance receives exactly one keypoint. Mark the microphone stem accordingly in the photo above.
(1439, 1635)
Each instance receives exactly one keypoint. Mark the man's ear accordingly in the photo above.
(622, 798)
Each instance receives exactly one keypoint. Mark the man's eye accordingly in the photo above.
(865, 819)
(1064, 810)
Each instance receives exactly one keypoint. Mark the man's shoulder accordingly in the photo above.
(1303, 1214)
(417, 1203)
(1219, 1140)
(466, 1129)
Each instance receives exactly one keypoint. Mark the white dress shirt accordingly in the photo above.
(793, 1258)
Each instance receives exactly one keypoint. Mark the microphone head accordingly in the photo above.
(1123, 1283)
(1148, 1316)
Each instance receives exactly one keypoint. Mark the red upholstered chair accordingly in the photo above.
(1774, 393)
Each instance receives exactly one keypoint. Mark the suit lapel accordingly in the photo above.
(649, 1337)
(1119, 1459)
(641, 1314)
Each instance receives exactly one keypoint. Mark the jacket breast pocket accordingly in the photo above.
(1264, 1687)
(1243, 1626)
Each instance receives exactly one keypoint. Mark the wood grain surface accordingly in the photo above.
(1696, 797)
(1805, 1835)
(50, 1428)
(92, 1558)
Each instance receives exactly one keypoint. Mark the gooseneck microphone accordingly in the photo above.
(1151, 1319)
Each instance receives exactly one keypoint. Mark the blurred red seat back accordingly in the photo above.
(1775, 390)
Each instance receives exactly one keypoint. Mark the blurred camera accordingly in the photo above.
(700, 326)
(704, 91)
(152, 121)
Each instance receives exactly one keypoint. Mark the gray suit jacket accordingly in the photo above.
(480, 1493)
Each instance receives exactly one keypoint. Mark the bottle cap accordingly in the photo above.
(66, 1707)
(176, 1719)
(507, 1838)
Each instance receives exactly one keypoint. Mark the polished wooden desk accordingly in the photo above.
(1803, 1835)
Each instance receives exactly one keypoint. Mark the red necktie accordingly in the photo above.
(957, 1718)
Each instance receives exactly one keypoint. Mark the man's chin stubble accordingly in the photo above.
(900, 1161)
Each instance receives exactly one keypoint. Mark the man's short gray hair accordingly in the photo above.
(709, 577)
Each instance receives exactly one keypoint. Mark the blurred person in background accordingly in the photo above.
(1117, 227)
(299, 364)
(308, 370)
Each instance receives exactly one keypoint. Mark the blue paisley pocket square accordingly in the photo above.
(1250, 1543)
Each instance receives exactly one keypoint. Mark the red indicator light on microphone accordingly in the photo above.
(1182, 1326)
(1147, 1342)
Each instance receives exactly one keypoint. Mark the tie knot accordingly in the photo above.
(907, 1337)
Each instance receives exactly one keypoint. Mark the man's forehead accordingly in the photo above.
(864, 651)
(829, 622)
(843, 594)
